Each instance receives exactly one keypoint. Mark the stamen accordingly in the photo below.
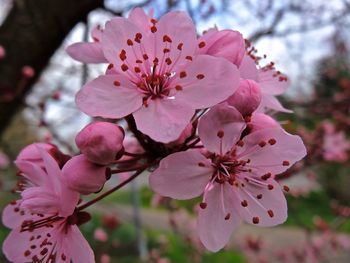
(201, 44)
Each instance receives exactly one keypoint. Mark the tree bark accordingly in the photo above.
(30, 35)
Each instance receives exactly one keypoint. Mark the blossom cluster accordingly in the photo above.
(191, 110)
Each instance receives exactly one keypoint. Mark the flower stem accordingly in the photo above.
(117, 187)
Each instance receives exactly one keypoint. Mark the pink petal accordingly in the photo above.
(262, 206)
(100, 97)
(248, 69)
(262, 121)
(87, 52)
(209, 81)
(228, 44)
(271, 102)
(32, 172)
(76, 247)
(163, 119)
(279, 152)
(272, 83)
(140, 18)
(178, 26)
(221, 128)
(115, 39)
(214, 231)
(31, 153)
(13, 215)
(182, 175)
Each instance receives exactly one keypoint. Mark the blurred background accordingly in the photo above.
(307, 40)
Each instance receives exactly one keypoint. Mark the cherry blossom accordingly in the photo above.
(236, 179)
(44, 222)
(335, 146)
(157, 76)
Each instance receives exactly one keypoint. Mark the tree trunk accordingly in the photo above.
(30, 35)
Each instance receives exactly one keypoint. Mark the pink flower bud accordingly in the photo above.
(105, 258)
(228, 44)
(247, 97)
(31, 153)
(100, 142)
(84, 176)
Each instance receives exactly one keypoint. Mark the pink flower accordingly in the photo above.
(247, 97)
(335, 146)
(84, 176)
(43, 222)
(236, 180)
(270, 81)
(228, 44)
(100, 142)
(105, 258)
(156, 76)
(89, 52)
(28, 72)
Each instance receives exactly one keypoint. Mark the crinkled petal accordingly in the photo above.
(221, 128)
(140, 18)
(163, 119)
(87, 52)
(214, 230)
(279, 151)
(208, 81)
(40, 200)
(100, 97)
(262, 203)
(182, 175)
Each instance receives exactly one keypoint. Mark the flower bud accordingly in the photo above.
(83, 176)
(228, 44)
(100, 142)
(247, 97)
(31, 153)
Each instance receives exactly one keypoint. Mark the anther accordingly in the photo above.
(270, 186)
(179, 46)
(244, 203)
(129, 42)
(285, 163)
(272, 141)
(116, 83)
(286, 188)
(255, 220)
(220, 134)
(270, 212)
(145, 56)
(189, 58)
(27, 253)
(227, 217)
(200, 164)
(110, 66)
(137, 69)
(166, 50)
(183, 74)
(203, 205)
(138, 61)
(259, 196)
(240, 143)
(266, 176)
(201, 44)
(153, 29)
(168, 61)
(262, 143)
(122, 55)
(200, 76)
(166, 38)
(178, 87)
(124, 67)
